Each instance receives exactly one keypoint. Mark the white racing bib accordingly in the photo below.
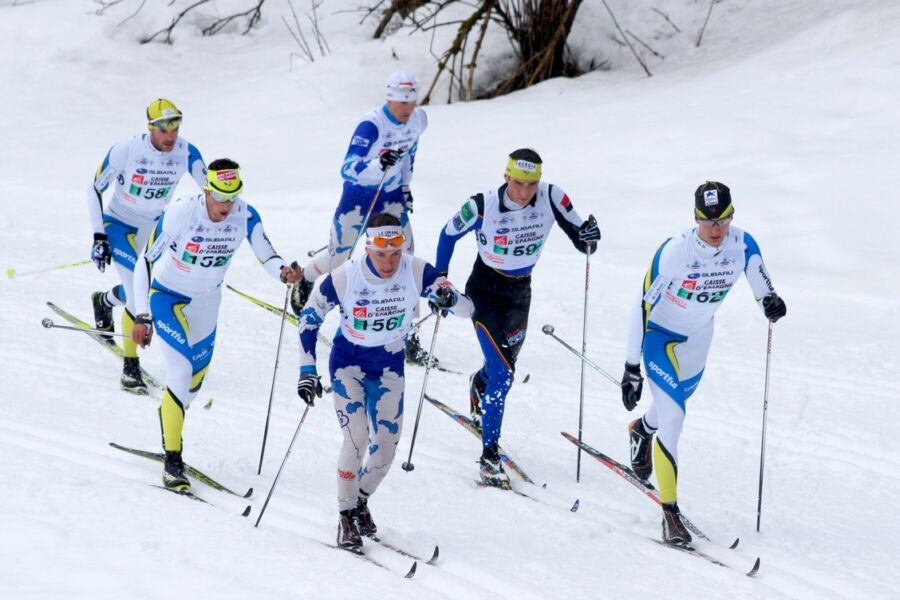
(146, 183)
(514, 239)
(378, 314)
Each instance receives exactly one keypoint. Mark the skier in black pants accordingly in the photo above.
(511, 223)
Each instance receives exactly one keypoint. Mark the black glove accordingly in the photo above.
(309, 388)
(589, 230)
(147, 321)
(100, 252)
(407, 198)
(389, 158)
(442, 300)
(774, 307)
(632, 384)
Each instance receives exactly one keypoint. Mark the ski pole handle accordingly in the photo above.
(548, 329)
(48, 324)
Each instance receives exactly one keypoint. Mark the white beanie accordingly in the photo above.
(401, 87)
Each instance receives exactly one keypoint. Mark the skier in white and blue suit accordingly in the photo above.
(671, 326)
(511, 223)
(381, 156)
(178, 279)
(377, 294)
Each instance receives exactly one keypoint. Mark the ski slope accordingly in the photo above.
(791, 103)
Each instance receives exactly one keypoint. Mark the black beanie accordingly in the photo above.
(712, 200)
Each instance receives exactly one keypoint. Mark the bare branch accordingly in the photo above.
(642, 43)
(666, 17)
(708, 15)
(630, 47)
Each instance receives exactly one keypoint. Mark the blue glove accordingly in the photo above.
(100, 252)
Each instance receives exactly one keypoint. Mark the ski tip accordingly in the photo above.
(248, 494)
(246, 512)
(412, 571)
(434, 556)
(527, 377)
(575, 506)
(753, 571)
(208, 404)
(734, 543)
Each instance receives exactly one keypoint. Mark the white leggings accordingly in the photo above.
(369, 408)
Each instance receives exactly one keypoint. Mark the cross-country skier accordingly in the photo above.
(376, 294)
(511, 224)
(377, 171)
(144, 169)
(672, 326)
(178, 280)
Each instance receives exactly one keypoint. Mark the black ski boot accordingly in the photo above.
(132, 381)
(347, 535)
(641, 449)
(364, 523)
(103, 314)
(476, 393)
(673, 530)
(415, 353)
(300, 292)
(173, 472)
(492, 472)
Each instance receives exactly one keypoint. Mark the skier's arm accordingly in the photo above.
(357, 168)
(568, 219)
(466, 219)
(755, 270)
(195, 166)
(656, 281)
(113, 163)
(323, 298)
(429, 282)
(160, 240)
(261, 246)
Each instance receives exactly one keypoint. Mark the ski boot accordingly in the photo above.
(673, 530)
(348, 537)
(641, 449)
(492, 472)
(364, 523)
(415, 354)
(103, 314)
(132, 381)
(300, 292)
(173, 472)
(476, 393)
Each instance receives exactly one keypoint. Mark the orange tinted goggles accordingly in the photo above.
(388, 242)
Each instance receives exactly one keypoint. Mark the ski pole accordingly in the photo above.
(408, 465)
(548, 329)
(762, 450)
(417, 324)
(11, 272)
(278, 474)
(48, 323)
(312, 253)
(369, 212)
(587, 280)
(262, 452)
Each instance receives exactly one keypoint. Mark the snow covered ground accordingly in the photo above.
(791, 103)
